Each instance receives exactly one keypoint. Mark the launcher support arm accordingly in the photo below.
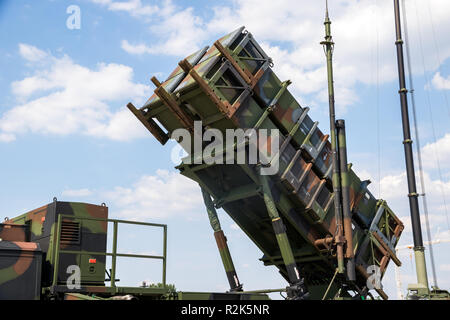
(221, 241)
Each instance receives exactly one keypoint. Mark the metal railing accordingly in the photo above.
(114, 253)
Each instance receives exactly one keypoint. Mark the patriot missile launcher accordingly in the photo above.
(282, 197)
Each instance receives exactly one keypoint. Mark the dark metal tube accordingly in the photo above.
(419, 156)
(407, 143)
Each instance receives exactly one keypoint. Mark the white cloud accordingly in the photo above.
(394, 190)
(163, 195)
(135, 49)
(180, 32)
(291, 37)
(133, 7)
(7, 137)
(31, 53)
(440, 82)
(441, 149)
(441, 235)
(66, 98)
(394, 186)
(76, 192)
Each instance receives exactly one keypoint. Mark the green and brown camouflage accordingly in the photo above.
(346, 214)
(286, 113)
(222, 245)
(13, 232)
(328, 46)
(60, 249)
(76, 234)
(297, 289)
(222, 96)
(20, 266)
(176, 76)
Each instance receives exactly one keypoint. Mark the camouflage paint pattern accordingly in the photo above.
(20, 270)
(222, 245)
(347, 219)
(223, 97)
(13, 232)
(176, 77)
(76, 235)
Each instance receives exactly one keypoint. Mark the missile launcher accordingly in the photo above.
(284, 200)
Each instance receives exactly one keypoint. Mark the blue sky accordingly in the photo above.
(65, 130)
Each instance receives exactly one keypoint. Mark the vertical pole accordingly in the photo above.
(329, 46)
(419, 155)
(298, 291)
(114, 258)
(345, 184)
(165, 256)
(56, 260)
(221, 241)
(407, 143)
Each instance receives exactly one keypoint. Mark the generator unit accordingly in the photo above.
(82, 230)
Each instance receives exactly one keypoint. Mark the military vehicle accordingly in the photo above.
(59, 251)
(289, 213)
(291, 191)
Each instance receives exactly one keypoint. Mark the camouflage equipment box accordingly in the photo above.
(76, 234)
(20, 270)
(14, 232)
(63, 246)
(289, 215)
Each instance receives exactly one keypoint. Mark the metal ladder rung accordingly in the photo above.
(302, 178)
(330, 201)
(293, 130)
(316, 194)
(299, 151)
(280, 92)
(321, 146)
(327, 174)
(291, 164)
(310, 133)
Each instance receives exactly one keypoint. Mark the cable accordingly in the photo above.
(419, 154)
(431, 118)
(438, 55)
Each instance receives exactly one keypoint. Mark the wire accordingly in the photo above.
(438, 55)
(419, 154)
(431, 118)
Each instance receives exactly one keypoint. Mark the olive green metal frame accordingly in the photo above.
(113, 254)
